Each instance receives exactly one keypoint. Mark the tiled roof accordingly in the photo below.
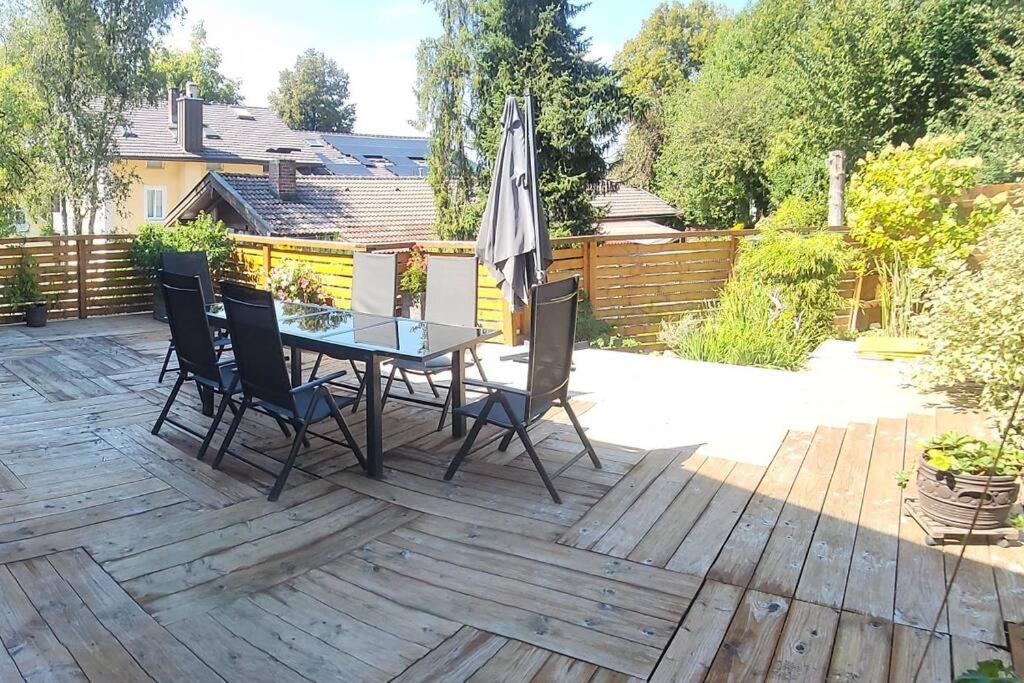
(624, 202)
(355, 209)
(230, 133)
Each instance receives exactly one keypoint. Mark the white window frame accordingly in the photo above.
(162, 189)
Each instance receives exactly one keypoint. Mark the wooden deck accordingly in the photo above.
(123, 558)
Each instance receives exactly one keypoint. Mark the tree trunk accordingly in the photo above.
(836, 188)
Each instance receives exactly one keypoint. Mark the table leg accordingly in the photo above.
(206, 396)
(374, 421)
(458, 393)
(296, 366)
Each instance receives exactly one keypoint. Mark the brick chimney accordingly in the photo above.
(172, 106)
(190, 120)
(282, 178)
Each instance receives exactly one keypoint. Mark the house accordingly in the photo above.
(171, 147)
(366, 209)
(388, 156)
(284, 203)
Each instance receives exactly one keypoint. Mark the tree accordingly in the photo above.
(665, 55)
(313, 95)
(199, 64)
(83, 63)
(19, 116)
(442, 93)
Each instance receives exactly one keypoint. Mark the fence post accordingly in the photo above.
(266, 264)
(82, 255)
(588, 266)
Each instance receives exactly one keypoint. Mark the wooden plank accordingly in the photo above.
(973, 613)
(861, 649)
(515, 662)
(161, 655)
(872, 583)
(806, 643)
(1015, 636)
(8, 480)
(823, 580)
(39, 655)
(779, 568)
(739, 556)
(750, 641)
(907, 649)
(457, 658)
(95, 650)
(968, 653)
(1008, 565)
(692, 651)
(565, 670)
(601, 517)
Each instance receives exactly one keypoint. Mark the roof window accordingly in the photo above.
(243, 113)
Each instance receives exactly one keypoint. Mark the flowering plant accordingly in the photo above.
(414, 279)
(296, 281)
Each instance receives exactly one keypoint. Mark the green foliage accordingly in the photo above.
(989, 671)
(313, 95)
(1017, 521)
(200, 63)
(795, 212)
(599, 333)
(973, 318)
(959, 454)
(414, 277)
(201, 234)
(22, 287)
(296, 281)
(664, 56)
(81, 64)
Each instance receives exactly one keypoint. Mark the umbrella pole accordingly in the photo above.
(531, 140)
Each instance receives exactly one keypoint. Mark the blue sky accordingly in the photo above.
(374, 40)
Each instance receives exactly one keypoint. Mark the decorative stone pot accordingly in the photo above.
(35, 315)
(412, 305)
(951, 499)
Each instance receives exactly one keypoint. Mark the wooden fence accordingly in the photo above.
(635, 286)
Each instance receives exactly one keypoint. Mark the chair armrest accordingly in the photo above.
(318, 382)
(494, 386)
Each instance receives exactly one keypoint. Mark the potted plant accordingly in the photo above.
(297, 282)
(23, 293)
(414, 283)
(952, 474)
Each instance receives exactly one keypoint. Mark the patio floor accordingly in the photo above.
(123, 558)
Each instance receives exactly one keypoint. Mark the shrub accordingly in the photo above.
(903, 208)
(414, 279)
(599, 333)
(296, 281)
(974, 321)
(201, 234)
(22, 288)
(797, 212)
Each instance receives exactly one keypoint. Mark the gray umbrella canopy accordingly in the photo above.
(514, 232)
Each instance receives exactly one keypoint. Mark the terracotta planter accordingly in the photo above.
(890, 348)
(951, 499)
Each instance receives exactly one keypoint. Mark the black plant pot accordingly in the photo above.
(35, 315)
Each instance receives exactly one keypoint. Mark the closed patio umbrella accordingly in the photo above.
(513, 242)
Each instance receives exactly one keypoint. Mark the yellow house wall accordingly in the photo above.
(177, 176)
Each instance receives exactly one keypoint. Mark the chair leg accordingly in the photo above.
(433, 388)
(467, 445)
(231, 434)
(506, 440)
(444, 411)
(316, 366)
(356, 370)
(167, 362)
(359, 393)
(170, 401)
(408, 384)
(582, 434)
(283, 426)
(528, 444)
(282, 477)
(343, 426)
(387, 387)
(213, 427)
(476, 362)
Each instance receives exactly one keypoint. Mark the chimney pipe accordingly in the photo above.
(172, 106)
(282, 179)
(190, 120)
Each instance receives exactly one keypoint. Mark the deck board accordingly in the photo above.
(124, 558)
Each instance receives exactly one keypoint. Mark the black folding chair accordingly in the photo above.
(252, 322)
(451, 300)
(198, 359)
(552, 332)
(374, 291)
(191, 264)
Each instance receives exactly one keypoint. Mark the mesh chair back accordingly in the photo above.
(374, 283)
(186, 314)
(552, 335)
(256, 341)
(191, 263)
(451, 290)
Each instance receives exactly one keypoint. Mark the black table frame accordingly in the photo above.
(372, 359)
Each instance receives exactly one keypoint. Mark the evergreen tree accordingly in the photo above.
(314, 95)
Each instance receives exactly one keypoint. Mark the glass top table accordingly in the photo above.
(371, 339)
